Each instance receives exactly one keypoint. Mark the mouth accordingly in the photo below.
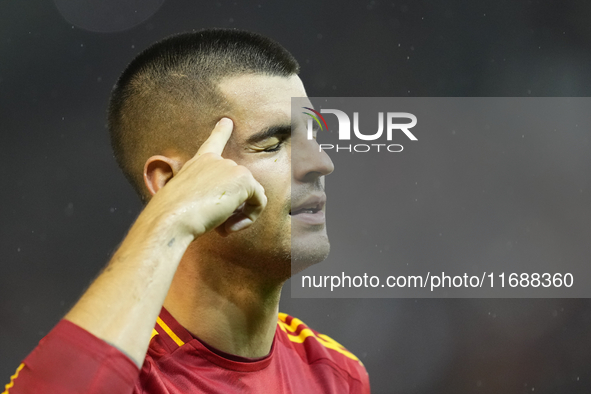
(310, 211)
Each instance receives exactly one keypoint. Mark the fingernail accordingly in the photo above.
(240, 225)
(225, 121)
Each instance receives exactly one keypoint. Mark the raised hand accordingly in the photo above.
(212, 192)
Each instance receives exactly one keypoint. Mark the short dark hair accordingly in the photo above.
(168, 95)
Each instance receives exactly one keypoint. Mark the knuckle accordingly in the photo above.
(265, 200)
(207, 156)
(242, 172)
(229, 162)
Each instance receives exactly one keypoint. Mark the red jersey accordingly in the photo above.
(71, 360)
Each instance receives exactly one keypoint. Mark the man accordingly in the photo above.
(207, 257)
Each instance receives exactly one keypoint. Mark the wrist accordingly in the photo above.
(165, 229)
(181, 218)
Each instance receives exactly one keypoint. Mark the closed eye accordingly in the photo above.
(275, 147)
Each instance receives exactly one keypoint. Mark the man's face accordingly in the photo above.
(290, 169)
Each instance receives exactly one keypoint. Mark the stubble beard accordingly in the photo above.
(304, 255)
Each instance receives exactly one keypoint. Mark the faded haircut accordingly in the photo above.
(167, 100)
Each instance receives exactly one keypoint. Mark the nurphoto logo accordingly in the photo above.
(392, 125)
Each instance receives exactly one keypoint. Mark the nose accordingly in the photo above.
(308, 161)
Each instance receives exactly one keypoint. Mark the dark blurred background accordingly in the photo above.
(65, 206)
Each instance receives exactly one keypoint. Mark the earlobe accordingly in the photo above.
(158, 170)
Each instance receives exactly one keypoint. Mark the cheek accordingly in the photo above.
(274, 175)
(278, 192)
(278, 196)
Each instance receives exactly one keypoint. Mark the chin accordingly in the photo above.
(306, 254)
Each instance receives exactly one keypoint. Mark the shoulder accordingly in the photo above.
(314, 347)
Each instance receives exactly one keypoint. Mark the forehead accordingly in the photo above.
(259, 101)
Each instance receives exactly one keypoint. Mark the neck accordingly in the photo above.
(226, 305)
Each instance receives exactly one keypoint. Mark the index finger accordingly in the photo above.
(216, 142)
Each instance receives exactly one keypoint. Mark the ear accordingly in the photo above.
(158, 170)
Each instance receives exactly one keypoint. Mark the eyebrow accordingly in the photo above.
(278, 131)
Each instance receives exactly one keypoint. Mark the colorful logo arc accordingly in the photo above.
(316, 117)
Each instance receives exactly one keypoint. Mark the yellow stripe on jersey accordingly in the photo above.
(167, 329)
(324, 340)
(12, 378)
(154, 333)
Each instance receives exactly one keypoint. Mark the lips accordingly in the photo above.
(311, 205)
